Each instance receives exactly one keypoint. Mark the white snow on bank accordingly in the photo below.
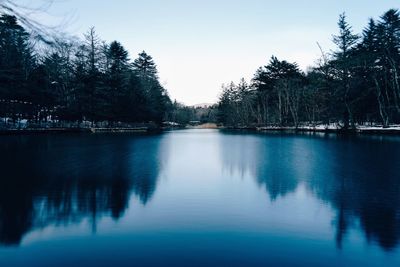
(380, 128)
(334, 127)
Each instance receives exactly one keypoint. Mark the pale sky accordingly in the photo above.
(198, 45)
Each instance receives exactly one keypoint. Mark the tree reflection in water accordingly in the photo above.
(354, 175)
(65, 179)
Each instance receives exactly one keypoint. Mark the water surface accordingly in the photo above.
(199, 198)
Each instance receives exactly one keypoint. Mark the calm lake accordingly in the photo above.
(199, 198)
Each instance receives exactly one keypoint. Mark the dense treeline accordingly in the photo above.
(76, 81)
(357, 83)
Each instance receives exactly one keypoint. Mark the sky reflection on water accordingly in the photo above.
(198, 197)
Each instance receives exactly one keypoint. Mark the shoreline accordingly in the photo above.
(77, 130)
(360, 130)
(294, 130)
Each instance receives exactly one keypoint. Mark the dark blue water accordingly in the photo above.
(199, 198)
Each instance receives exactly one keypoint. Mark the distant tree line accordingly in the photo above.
(184, 115)
(76, 80)
(357, 83)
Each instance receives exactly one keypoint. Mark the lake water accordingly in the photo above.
(199, 198)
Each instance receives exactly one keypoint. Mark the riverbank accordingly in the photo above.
(393, 130)
(78, 130)
(204, 126)
(361, 129)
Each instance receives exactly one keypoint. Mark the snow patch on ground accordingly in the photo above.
(334, 127)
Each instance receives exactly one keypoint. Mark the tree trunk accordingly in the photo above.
(381, 104)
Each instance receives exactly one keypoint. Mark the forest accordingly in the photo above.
(356, 84)
(75, 81)
(88, 82)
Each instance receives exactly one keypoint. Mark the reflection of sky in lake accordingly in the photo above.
(202, 197)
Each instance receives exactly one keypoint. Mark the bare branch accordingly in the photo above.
(27, 16)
